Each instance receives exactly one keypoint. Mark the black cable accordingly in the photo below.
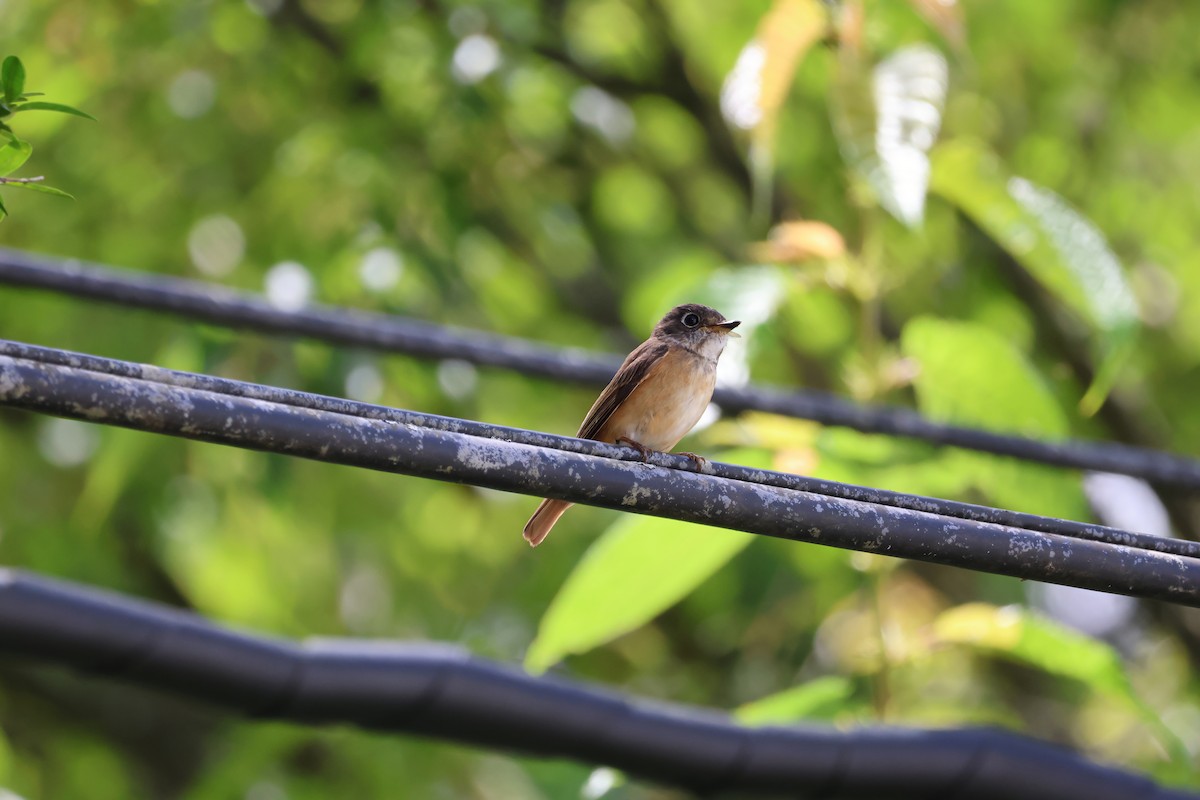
(152, 405)
(223, 306)
(442, 691)
(932, 505)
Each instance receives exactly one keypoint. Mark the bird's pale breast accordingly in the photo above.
(667, 404)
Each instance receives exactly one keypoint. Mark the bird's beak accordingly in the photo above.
(727, 328)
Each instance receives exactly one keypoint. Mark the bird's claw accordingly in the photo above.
(643, 451)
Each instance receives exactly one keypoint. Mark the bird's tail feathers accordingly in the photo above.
(543, 520)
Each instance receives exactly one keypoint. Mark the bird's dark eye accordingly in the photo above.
(691, 319)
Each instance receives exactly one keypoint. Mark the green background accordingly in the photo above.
(571, 195)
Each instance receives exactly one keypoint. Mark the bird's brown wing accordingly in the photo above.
(633, 371)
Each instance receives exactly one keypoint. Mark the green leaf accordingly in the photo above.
(903, 465)
(40, 105)
(13, 154)
(3, 210)
(640, 567)
(12, 78)
(971, 375)
(1052, 241)
(1019, 635)
(822, 698)
(39, 187)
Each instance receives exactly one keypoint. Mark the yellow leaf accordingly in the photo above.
(758, 83)
(795, 242)
(946, 16)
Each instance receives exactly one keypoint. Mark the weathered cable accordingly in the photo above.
(509, 466)
(383, 332)
(783, 480)
(443, 691)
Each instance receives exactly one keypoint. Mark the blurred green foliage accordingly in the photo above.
(565, 172)
(15, 151)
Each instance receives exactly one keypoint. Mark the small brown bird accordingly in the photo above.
(657, 395)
